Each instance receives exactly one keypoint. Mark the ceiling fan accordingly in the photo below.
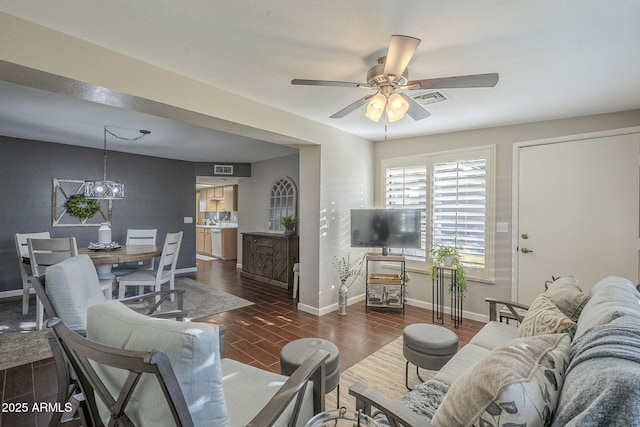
(391, 75)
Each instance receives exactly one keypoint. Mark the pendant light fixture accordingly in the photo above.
(105, 189)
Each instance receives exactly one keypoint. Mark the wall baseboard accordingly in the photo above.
(421, 304)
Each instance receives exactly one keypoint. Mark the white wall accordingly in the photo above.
(419, 289)
(253, 193)
(345, 172)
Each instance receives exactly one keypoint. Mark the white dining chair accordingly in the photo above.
(23, 259)
(164, 274)
(44, 253)
(137, 236)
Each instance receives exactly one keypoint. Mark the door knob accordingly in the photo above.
(526, 250)
(525, 236)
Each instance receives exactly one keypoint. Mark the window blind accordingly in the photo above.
(459, 203)
(406, 187)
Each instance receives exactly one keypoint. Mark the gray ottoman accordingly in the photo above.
(296, 352)
(427, 346)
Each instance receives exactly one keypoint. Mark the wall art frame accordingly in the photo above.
(61, 190)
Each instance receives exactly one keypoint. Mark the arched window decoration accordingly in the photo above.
(282, 202)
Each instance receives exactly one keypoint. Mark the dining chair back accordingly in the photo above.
(165, 272)
(23, 263)
(137, 237)
(44, 253)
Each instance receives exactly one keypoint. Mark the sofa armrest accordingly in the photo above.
(396, 413)
(511, 305)
(294, 388)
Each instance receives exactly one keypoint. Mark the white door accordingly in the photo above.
(578, 212)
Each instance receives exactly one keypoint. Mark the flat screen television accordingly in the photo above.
(385, 228)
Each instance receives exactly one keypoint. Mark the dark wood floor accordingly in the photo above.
(255, 335)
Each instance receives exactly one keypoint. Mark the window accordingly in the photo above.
(459, 203)
(406, 187)
(282, 202)
(454, 192)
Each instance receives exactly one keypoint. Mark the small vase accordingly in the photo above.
(448, 260)
(342, 298)
(104, 233)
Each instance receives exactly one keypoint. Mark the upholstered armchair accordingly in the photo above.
(155, 372)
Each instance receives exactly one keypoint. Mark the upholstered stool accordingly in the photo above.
(294, 353)
(427, 346)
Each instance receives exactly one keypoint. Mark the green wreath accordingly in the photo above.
(81, 207)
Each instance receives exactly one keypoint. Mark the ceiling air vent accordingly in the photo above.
(223, 169)
(429, 98)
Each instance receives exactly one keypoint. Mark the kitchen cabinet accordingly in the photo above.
(269, 258)
(230, 198)
(220, 242)
(221, 199)
(203, 240)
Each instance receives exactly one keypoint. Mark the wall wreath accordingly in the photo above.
(81, 207)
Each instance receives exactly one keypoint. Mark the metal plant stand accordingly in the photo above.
(437, 296)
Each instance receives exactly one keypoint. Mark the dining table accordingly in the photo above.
(104, 259)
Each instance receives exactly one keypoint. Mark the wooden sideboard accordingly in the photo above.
(269, 257)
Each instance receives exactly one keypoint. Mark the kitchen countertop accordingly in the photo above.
(223, 225)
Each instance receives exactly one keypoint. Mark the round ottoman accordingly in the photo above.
(296, 352)
(427, 346)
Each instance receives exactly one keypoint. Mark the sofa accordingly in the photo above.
(572, 360)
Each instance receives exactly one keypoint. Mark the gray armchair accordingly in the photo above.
(137, 370)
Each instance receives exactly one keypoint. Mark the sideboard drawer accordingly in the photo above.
(263, 250)
(262, 241)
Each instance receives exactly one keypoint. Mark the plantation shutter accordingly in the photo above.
(459, 208)
(406, 187)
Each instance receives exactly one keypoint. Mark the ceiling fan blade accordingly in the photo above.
(351, 108)
(474, 80)
(401, 50)
(415, 110)
(327, 83)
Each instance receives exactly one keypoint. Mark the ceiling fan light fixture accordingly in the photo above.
(397, 106)
(376, 107)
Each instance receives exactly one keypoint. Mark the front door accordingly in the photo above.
(578, 212)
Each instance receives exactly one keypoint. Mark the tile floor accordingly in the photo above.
(255, 335)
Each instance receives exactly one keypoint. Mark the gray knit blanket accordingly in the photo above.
(602, 383)
(424, 399)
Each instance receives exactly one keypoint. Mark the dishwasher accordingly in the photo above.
(216, 242)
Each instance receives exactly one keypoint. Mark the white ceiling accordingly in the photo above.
(556, 59)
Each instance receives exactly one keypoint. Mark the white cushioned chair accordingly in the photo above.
(182, 380)
(72, 286)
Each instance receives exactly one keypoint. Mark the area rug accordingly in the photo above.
(20, 343)
(383, 370)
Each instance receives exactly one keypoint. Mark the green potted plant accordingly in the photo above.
(449, 256)
(289, 223)
(346, 268)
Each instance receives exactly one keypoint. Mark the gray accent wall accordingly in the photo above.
(159, 193)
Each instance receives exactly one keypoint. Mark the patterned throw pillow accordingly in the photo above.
(518, 383)
(565, 292)
(544, 317)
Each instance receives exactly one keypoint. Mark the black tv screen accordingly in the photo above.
(385, 228)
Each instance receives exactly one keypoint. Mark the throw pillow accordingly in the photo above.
(567, 295)
(518, 383)
(544, 317)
